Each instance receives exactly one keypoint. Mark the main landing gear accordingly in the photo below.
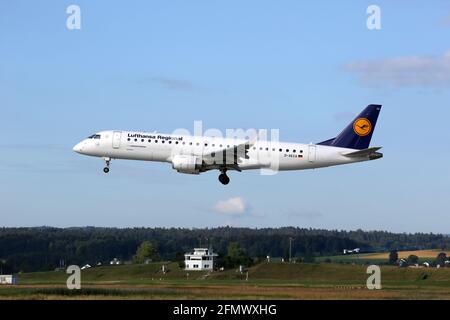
(107, 161)
(223, 178)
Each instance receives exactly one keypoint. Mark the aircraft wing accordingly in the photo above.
(240, 150)
(369, 152)
(228, 157)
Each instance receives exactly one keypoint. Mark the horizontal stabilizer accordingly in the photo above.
(369, 152)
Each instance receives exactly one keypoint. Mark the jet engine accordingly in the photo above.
(186, 164)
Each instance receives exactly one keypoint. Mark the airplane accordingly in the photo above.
(197, 154)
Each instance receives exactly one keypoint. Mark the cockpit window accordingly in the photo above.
(94, 136)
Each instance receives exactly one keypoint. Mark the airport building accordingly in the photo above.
(8, 279)
(200, 259)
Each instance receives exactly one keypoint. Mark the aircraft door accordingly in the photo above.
(312, 153)
(116, 139)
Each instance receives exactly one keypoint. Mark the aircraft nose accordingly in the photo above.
(78, 148)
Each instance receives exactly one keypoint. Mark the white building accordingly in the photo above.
(7, 279)
(200, 259)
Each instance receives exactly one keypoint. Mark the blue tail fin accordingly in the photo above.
(358, 133)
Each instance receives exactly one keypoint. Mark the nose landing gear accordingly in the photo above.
(107, 161)
(223, 178)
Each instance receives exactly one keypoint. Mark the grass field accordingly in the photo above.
(382, 257)
(267, 280)
(423, 254)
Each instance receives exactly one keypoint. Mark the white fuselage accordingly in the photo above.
(116, 144)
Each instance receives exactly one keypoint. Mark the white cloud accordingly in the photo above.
(232, 206)
(404, 71)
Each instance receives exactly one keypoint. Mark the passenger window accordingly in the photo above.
(128, 139)
(142, 140)
(293, 151)
(287, 150)
(135, 140)
(149, 140)
(170, 142)
(281, 150)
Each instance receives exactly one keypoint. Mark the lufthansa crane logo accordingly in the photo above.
(362, 127)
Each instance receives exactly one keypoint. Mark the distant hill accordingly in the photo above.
(43, 248)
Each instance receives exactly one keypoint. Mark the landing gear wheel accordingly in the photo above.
(223, 178)
(107, 162)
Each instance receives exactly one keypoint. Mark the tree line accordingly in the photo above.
(42, 248)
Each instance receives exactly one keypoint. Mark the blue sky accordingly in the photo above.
(305, 69)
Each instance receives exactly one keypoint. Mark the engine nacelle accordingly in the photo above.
(186, 164)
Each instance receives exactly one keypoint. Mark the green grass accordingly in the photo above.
(287, 280)
(336, 273)
(352, 259)
(122, 273)
(361, 258)
(265, 272)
